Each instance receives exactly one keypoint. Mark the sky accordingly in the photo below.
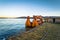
(17, 8)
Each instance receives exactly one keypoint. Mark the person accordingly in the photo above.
(34, 23)
(28, 23)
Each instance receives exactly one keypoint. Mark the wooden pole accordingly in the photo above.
(53, 20)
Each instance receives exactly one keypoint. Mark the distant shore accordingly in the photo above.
(30, 17)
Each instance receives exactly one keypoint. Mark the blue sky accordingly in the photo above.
(16, 8)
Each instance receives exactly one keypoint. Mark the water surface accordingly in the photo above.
(11, 27)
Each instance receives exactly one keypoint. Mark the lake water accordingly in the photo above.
(11, 27)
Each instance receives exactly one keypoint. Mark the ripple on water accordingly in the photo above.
(10, 27)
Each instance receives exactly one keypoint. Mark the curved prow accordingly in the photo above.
(34, 23)
(28, 23)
